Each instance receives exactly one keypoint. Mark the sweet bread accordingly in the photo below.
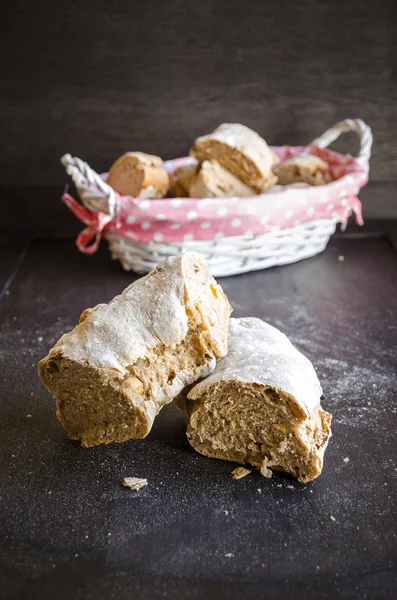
(112, 374)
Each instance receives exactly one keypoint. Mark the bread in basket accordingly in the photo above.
(234, 235)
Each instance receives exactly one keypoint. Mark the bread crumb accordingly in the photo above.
(228, 555)
(265, 472)
(262, 565)
(28, 416)
(240, 472)
(40, 339)
(259, 490)
(134, 483)
(346, 459)
(7, 292)
(332, 518)
(226, 512)
(341, 258)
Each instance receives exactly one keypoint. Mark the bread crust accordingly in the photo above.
(305, 168)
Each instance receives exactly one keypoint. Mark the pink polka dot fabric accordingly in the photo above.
(188, 219)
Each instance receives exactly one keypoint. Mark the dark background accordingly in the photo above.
(97, 78)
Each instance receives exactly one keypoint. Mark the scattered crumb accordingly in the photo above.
(341, 258)
(311, 491)
(265, 471)
(134, 483)
(7, 292)
(332, 518)
(240, 472)
(259, 490)
(226, 512)
(262, 565)
(228, 555)
(40, 339)
(28, 416)
(346, 459)
(279, 485)
(290, 487)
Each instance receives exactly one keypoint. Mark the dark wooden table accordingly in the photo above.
(68, 529)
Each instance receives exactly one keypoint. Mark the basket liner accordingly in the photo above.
(188, 219)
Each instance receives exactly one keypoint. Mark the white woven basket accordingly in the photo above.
(227, 255)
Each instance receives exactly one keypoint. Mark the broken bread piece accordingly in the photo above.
(261, 405)
(305, 168)
(213, 181)
(181, 179)
(134, 483)
(112, 374)
(139, 175)
(241, 151)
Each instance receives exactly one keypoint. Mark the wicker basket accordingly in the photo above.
(267, 232)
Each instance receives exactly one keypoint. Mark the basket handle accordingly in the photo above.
(95, 194)
(357, 125)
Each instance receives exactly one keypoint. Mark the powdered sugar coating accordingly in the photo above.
(259, 353)
(152, 308)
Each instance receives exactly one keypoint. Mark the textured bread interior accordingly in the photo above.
(234, 161)
(99, 406)
(250, 423)
(126, 176)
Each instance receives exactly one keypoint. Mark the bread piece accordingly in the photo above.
(181, 179)
(134, 483)
(213, 181)
(139, 175)
(112, 374)
(261, 405)
(239, 150)
(304, 168)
